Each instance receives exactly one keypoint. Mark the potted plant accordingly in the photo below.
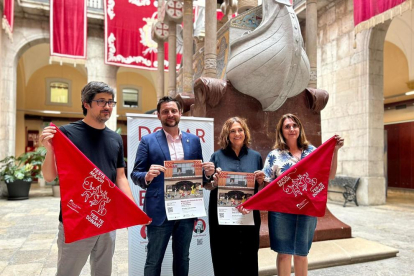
(18, 173)
(56, 187)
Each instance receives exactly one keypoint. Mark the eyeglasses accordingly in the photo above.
(103, 103)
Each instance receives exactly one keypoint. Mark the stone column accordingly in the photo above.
(8, 100)
(173, 13)
(311, 39)
(210, 44)
(188, 48)
(23, 38)
(99, 71)
(160, 81)
(172, 59)
(160, 59)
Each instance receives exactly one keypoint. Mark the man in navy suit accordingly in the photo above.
(170, 143)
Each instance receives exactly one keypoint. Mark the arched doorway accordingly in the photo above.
(399, 102)
(45, 92)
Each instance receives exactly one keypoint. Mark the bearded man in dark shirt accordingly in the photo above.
(104, 148)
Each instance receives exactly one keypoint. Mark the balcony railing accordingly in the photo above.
(95, 7)
(95, 4)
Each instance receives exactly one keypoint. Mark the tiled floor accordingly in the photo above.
(28, 232)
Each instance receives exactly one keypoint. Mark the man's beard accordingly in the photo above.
(167, 124)
(102, 118)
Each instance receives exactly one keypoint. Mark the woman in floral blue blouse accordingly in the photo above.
(290, 234)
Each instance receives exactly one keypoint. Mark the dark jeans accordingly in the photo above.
(158, 238)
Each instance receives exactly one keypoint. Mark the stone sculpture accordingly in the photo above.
(269, 62)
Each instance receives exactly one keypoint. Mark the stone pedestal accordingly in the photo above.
(218, 99)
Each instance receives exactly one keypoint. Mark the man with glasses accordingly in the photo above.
(104, 148)
(170, 143)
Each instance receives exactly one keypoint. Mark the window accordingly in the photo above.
(131, 97)
(58, 92)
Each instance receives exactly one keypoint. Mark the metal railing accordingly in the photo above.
(95, 4)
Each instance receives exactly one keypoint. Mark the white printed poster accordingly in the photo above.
(183, 191)
(234, 188)
(200, 255)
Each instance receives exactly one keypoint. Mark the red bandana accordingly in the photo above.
(91, 203)
(302, 189)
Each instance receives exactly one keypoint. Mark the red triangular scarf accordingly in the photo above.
(91, 203)
(302, 189)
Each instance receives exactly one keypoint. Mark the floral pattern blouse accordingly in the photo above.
(278, 161)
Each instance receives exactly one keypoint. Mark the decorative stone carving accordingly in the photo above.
(159, 31)
(316, 99)
(269, 63)
(210, 63)
(249, 20)
(174, 10)
(313, 75)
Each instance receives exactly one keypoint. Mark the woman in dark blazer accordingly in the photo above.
(234, 248)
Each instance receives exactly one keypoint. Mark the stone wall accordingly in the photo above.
(28, 33)
(351, 69)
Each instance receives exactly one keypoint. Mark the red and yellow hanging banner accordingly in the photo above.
(8, 17)
(128, 41)
(369, 13)
(68, 30)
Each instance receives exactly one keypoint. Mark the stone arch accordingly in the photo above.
(27, 33)
(372, 189)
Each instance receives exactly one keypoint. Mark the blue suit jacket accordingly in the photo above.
(153, 149)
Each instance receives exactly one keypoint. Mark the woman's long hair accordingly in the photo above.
(280, 143)
(224, 140)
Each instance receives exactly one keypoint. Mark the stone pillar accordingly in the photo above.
(23, 38)
(210, 44)
(159, 33)
(99, 71)
(8, 100)
(160, 58)
(172, 59)
(188, 48)
(160, 81)
(311, 39)
(355, 110)
(173, 13)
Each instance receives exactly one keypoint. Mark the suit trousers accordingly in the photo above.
(158, 238)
